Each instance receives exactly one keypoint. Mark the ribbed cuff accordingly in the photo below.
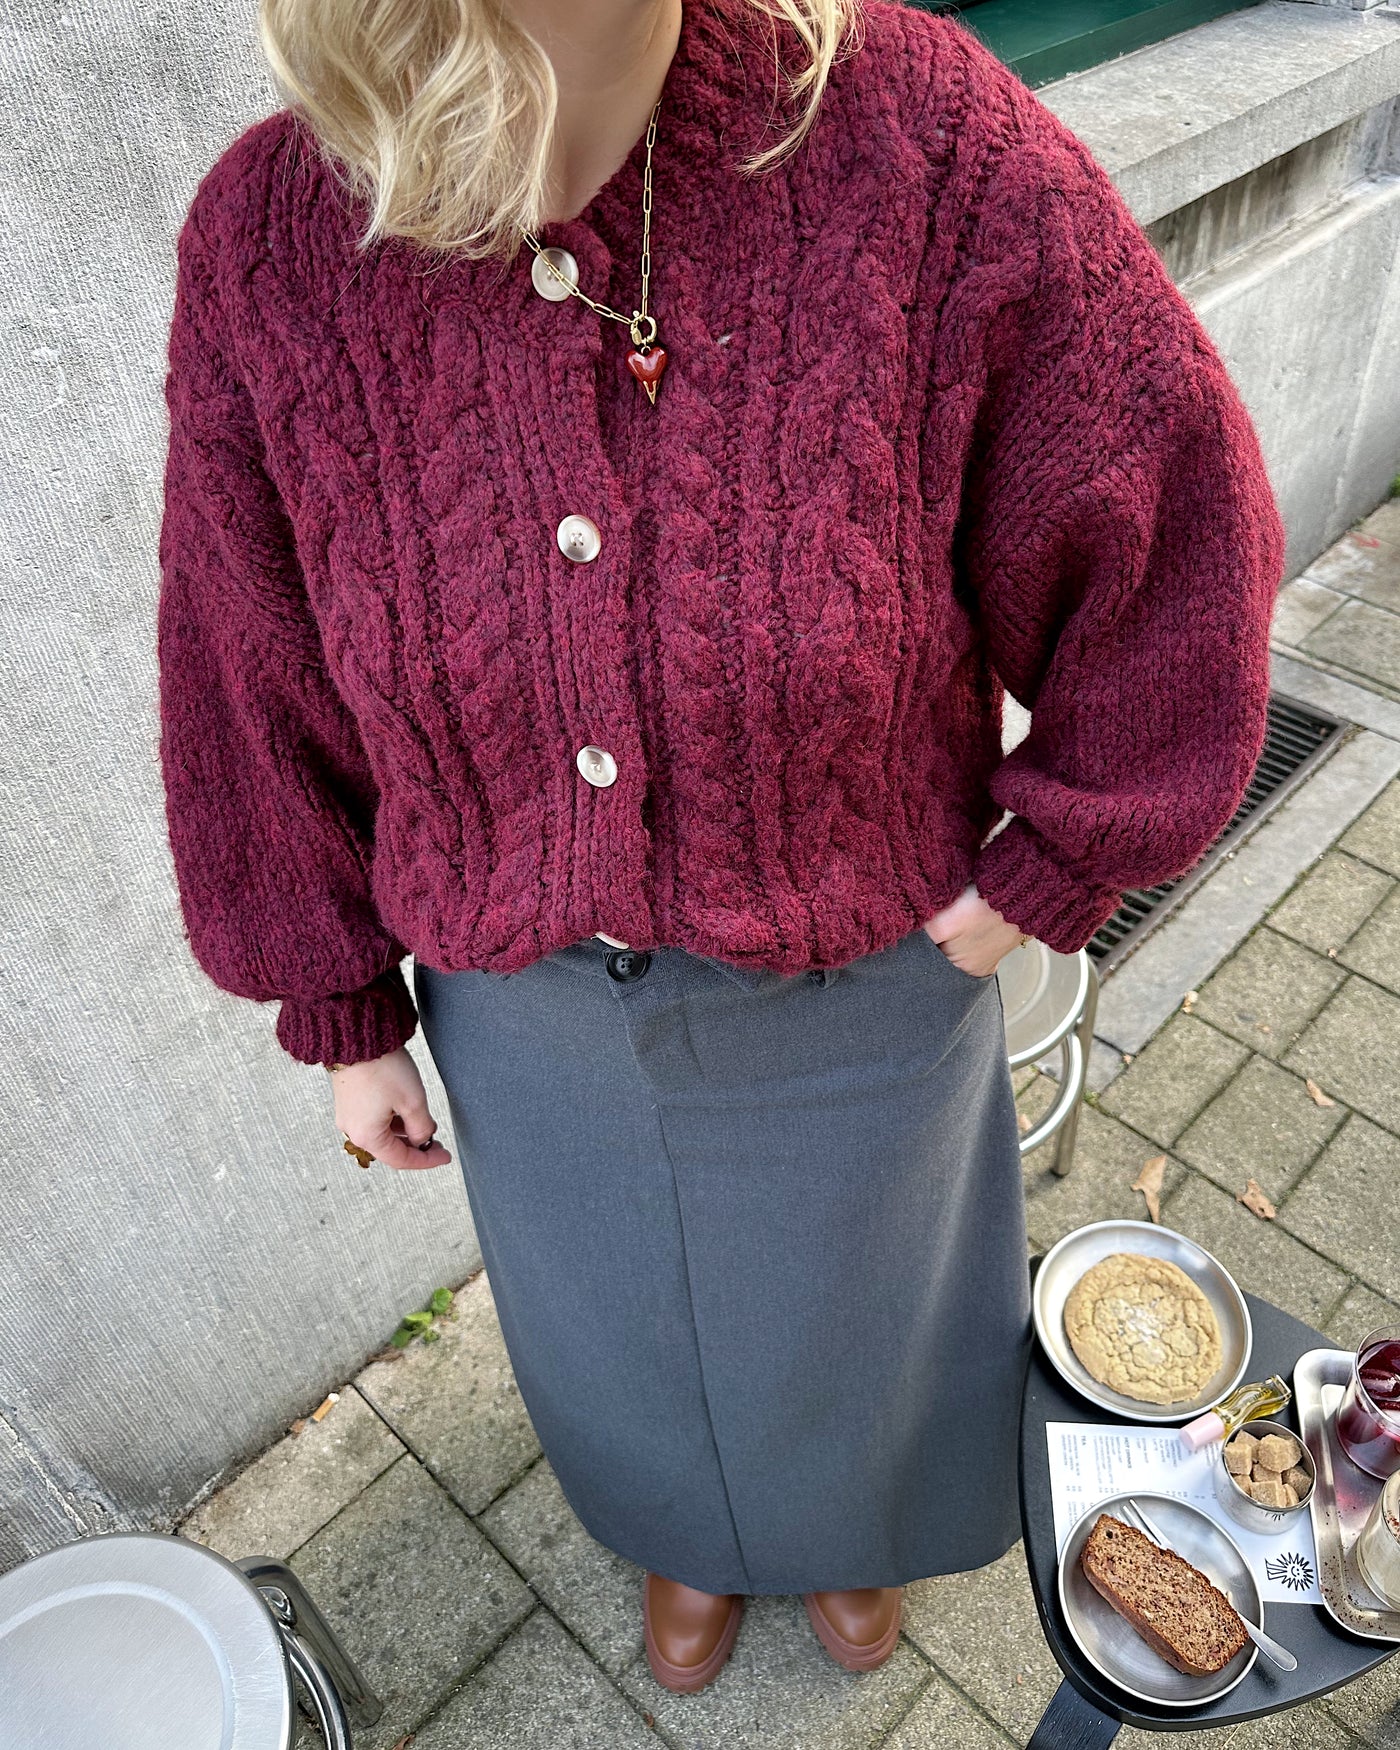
(1018, 877)
(352, 1026)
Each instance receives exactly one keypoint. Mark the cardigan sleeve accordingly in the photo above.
(1120, 542)
(270, 799)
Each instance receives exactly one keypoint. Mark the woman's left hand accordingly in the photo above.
(972, 935)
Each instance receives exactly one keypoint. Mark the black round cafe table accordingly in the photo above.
(1087, 1710)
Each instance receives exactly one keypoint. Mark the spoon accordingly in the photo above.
(1266, 1644)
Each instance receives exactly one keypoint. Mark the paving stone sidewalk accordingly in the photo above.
(431, 1530)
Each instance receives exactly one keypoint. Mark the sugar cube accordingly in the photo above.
(1239, 1455)
(1278, 1452)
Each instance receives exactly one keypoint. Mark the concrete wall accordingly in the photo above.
(1308, 316)
(187, 1260)
(1262, 153)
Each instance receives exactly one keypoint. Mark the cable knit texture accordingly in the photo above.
(936, 421)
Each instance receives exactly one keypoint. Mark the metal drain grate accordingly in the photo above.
(1297, 737)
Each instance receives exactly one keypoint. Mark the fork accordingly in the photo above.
(1266, 1644)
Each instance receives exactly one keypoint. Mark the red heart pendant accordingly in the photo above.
(647, 368)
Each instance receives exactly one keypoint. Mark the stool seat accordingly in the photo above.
(1042, 996)
(135, 1640)
(1048, 1001)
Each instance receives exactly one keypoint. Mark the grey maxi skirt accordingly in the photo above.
(757, 1245)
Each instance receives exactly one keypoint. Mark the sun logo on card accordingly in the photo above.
(1292, 1570)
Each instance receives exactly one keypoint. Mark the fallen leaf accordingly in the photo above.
(1188, 1002)
(650, 1719)
(1315, 1093)
(324, 1409)
(404, 1742)
(1149, 1182)
(298, 1425)
(1366, 540)
(1023, 1122)
(1255, 1201)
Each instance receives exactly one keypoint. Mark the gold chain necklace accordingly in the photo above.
(647, 360)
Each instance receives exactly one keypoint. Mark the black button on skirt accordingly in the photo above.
(757, 1245)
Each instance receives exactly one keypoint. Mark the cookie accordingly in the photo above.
(1142, 1327)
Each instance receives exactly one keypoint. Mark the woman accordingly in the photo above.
(619, 455)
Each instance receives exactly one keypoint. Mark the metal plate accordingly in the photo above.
(1341, 1497)
(1067, 1261)
(116, 1640)
(1113, 1647)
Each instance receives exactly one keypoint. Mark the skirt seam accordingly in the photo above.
(699, 1354)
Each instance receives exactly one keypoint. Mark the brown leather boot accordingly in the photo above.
(858, 1628)
(688, 1634)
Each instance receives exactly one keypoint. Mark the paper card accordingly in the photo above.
(1091, 1461)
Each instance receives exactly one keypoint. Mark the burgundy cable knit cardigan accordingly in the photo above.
(936, 421)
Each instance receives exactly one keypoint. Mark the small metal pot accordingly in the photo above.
(1269, 1521)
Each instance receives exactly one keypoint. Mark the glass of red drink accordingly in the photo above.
(1368, 1417)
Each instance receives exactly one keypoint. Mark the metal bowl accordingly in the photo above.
(1069, 1258)
(1244, 1509)
(1116, 1649)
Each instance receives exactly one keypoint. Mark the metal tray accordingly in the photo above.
(1069, 1258)
(1341, 1497)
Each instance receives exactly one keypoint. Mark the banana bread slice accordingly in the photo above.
(1172, 1605)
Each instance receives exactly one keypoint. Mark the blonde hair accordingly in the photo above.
(439, 113)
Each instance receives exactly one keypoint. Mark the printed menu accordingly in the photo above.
(1091, 1461)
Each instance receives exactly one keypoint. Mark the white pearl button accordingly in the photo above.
(544, 281)
(597, 765)
(579, 539)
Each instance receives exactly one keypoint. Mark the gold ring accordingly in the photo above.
(362, 1155)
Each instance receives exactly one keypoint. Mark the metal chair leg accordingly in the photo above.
(1084, 1032)
(296, 1613)
(325, 1698)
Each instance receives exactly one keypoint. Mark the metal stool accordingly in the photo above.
(1049, 999)
(136, 1640)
